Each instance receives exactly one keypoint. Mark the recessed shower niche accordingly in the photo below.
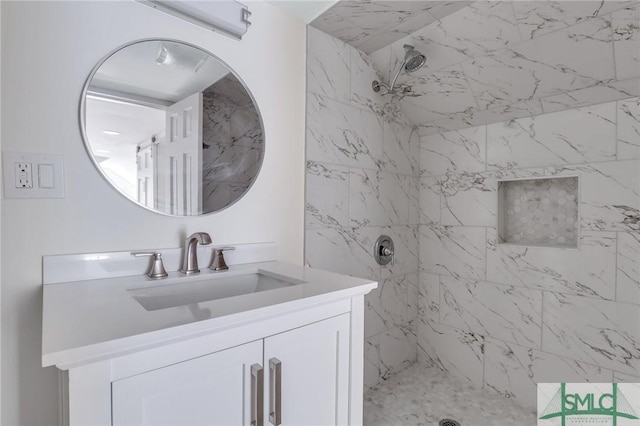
(539, 212)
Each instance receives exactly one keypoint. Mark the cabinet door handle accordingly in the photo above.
(275, 394)
(257, 395)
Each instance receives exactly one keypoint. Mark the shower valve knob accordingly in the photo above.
(383, 250)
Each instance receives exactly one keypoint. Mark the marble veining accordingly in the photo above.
(397, 350)
(353, 139)
(362, 181)
(507, 313)
(344, 250)
(429, 297)
(500, 316)
(626, 38)
(371, 25)
(602, 93)
(450, 349)
(429, 200)
(371, 361)
(365, 205)
(468, 199)
(232, 143)
(455, 151)
(628, 129)
(554, 138)
(387, 305)
(570, 314)
(514, 371)
(423, 396)
(588, 271)
(596, 331)
(328, 69)
(625, 378)
(394, 198)
(518, 59)
(610, 195)
(362, 74)
(628, 265)
(555, 63)
(537, 18)
(453, 250)
(438, 95)
(401, 148)
(327, 195)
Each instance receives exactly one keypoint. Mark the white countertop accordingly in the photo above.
(96, 319)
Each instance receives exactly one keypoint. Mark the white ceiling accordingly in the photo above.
(304, 10)
(135, 123)
(137, 78)
(135, 71)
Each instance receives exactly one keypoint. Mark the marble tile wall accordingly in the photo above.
(362, 182)
(232, 143)
(495, 60)
(506, 316)
(370, 25)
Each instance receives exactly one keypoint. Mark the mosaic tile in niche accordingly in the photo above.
(541, 212)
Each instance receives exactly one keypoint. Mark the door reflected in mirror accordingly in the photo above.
(172, 128)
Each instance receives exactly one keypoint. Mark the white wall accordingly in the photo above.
(1, 182)
(49, 49)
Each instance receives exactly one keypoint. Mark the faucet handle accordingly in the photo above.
(157, 268)
(218, 263)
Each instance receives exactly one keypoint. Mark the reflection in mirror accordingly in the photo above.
(172, 128)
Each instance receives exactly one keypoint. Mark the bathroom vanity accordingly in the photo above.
(263, 343)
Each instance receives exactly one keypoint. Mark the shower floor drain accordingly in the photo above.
(448, 422)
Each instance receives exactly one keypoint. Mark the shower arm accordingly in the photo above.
(389, 89)
(393, 82)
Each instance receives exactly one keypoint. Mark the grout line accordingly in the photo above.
(486, 166)
(439, 300)
(563, 357)
(486, 147)
(534, 289)
(484, 361)
(616, 115)
(348, 196)
(613, 46)
(615, 283)
(542, 318)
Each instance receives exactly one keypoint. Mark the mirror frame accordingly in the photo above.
(85, 139)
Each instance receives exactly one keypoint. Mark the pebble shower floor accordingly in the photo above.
(420, 396)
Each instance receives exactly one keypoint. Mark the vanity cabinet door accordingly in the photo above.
(313, 376)
(211, 390)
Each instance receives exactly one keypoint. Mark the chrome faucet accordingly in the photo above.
(190, 259)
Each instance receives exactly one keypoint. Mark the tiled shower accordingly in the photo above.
(536, 98)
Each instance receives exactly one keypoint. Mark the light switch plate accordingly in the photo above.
(28, 175)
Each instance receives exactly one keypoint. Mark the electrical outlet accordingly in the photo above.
(30, 175)
(24, 175)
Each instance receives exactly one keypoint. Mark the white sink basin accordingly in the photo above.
(209, 288)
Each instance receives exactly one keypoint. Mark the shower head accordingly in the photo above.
(413, 61)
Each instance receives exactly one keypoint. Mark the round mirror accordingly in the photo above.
(172, 127)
